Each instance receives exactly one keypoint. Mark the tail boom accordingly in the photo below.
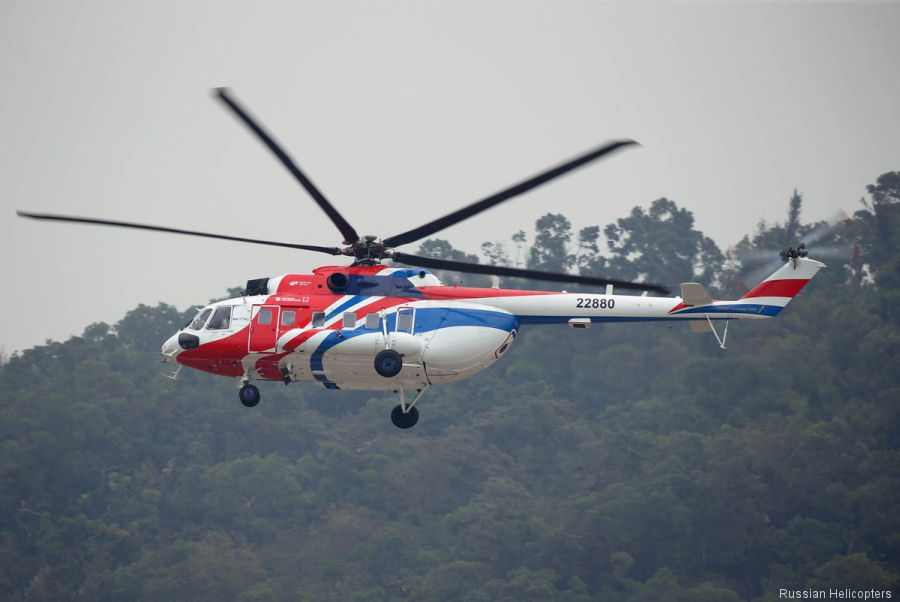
(577, 309)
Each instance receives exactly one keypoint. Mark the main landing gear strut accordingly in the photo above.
(404, 415)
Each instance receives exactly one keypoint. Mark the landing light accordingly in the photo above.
(580, 323)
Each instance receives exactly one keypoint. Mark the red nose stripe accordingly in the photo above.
(777, 288)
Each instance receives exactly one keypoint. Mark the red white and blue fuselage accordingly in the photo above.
(301, 329)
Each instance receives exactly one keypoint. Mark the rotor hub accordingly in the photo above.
(368, 250)
(794, 253)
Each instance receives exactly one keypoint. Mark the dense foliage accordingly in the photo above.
(627, 462)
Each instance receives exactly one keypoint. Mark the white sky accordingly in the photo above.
(401, 112)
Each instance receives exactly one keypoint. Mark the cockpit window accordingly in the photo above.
(200, 320)
(221, 319)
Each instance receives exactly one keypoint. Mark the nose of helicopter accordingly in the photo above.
(170, 348)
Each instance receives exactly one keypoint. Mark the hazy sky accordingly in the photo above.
(401, 112)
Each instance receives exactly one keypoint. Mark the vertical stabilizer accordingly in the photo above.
(779, 288)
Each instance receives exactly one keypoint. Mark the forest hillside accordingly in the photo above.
(630, 462)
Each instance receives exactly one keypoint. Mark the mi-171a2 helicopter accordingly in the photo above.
(378, 327)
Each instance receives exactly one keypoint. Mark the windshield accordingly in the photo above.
(200, 320)
(221, 320)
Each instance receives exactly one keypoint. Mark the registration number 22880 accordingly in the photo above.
(595, 303)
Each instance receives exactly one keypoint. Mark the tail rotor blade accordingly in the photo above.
(822, 230)
(752, 256)
(839, 252)
(758, 274)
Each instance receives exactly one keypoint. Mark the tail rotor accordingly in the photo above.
(759, 263)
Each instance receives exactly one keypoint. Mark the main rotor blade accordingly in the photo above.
(503, 195)
(105, 222)
(349, 234)
(499, 270)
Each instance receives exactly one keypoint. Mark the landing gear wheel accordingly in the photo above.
(249, 395)
(388, 363)
(404, 421)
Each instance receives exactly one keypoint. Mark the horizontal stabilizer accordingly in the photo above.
(693, 293)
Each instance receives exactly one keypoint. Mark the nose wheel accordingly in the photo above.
(249, 395)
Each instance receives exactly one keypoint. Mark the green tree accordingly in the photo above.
(553, 232)
(145, 328)
(495, 253)
(854, 571)
(442, 249)
(877, 228)
(661, 245)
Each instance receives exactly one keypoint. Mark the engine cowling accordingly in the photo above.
(471, 338)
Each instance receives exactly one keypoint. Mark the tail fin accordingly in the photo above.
(779, 288)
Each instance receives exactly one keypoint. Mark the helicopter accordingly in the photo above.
(372, 326)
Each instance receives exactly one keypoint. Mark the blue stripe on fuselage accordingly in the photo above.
(390, 285)
(432, 318)
(324, 380)
(759, 310)
(427, 319)
(343, 306)
(734, 308)
(315, 360)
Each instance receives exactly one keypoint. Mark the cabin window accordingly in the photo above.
(264, 316)
(349, 320)
(221, 320)
(288, 317)
(200, 320)
(405, 319)
(372, 321)
(318, 319)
